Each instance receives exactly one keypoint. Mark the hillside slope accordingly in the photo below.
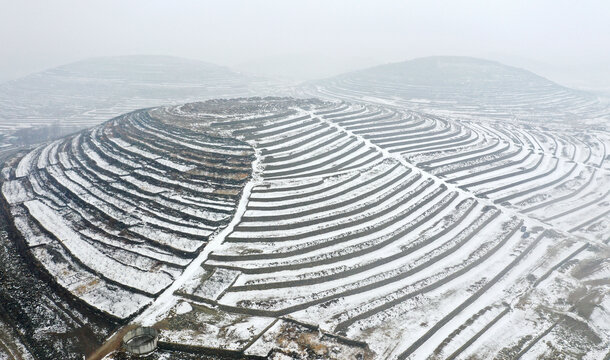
(466, 87)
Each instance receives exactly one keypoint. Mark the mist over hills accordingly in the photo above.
(466, 86)
(87, 92)
(81, 94)
(148, 69)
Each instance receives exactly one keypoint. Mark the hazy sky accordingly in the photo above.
(317, 37)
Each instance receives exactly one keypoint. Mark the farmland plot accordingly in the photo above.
(505, 134)
(357, 224)
(260, 227)
(72, 97)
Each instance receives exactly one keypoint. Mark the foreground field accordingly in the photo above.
(311, 229)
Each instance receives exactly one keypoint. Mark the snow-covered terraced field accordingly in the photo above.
(117, 212)
(75, 96)
(386, 232)
(467, 88)
(379, 223)
(519, 167)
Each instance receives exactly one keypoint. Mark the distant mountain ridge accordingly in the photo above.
(451, 71)
(466, 87)
(87, 92)
(146, 68)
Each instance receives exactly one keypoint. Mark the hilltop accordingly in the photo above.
(262, 227)
(85, 93)
(467, 87)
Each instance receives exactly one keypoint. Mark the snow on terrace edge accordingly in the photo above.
(115, 213)
(424, 247)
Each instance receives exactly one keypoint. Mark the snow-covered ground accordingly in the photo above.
(397, 234)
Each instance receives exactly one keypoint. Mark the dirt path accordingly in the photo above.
(167, 299)
(113, 343)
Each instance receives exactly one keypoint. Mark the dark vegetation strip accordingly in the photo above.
(261, 128)
(333, 241)
(423, 133)
(428, 164)
(335, 149)
(343, 114)
(305, 141)
(264, 189)
(334, 227)
(261, 133)
(504, 176)
(560, 264)
(580, 207)
(535, 340)
(590, 221)
(283, 140)
(459, 141)
(380, 198)
(306, 194)
(473, 164)
(254, 121)
(330, 158)
(308, 150)
(429, 145)
(338, 195)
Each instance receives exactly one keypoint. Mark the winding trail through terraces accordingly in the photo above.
(167, 299)
(163, 303)
(452, 187)
(397, 107)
